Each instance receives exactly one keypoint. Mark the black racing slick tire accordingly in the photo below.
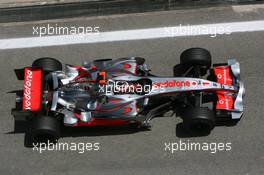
(47, 64)
(199, 119)
(196, 56)
(44, 129)
(102, 60)
(179, 70)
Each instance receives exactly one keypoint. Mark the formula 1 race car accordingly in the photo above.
(123, 91)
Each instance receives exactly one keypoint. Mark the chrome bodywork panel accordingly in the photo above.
(78, 89)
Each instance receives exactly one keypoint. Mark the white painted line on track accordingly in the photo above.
(128, 35)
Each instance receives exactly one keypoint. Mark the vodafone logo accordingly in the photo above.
(221, 102)
(224, 102)
(223, 74)
(27, 89)
(173, 83)
(219, 76)
(32, 89)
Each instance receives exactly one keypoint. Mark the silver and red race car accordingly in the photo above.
(123, 91)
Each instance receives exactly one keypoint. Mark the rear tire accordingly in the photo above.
(140, 60)
(47, 64)
(199, 119)
(44, 129)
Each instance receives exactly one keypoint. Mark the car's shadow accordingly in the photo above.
(83, 131)
(100, 130)
(183, 132)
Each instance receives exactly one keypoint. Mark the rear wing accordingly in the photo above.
(32, 88)
(19, 73)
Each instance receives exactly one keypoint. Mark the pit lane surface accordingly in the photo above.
(124, 150)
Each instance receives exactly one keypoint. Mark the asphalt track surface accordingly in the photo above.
(125, 150)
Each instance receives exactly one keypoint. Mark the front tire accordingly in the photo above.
(196, 56)
(191, 59)
(199, 119)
